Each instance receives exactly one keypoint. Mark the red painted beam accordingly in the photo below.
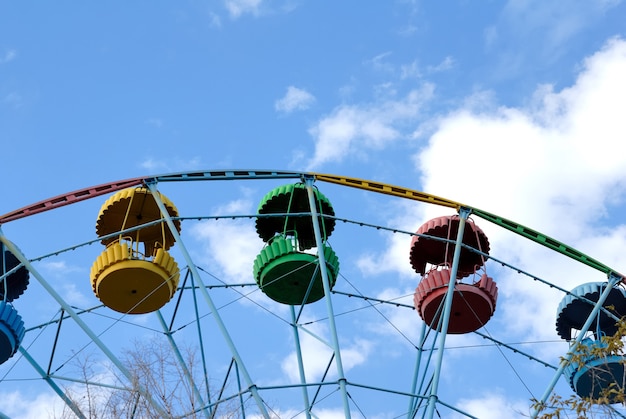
(69, 198)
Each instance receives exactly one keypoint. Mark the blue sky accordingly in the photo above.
(512, 107)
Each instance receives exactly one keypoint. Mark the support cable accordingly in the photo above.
(327, 293)
(613, 280)
(433, 398)
(209, 300)
(95, 339)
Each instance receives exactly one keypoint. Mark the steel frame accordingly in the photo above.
(419, 392)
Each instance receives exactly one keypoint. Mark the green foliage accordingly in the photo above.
(611, 394)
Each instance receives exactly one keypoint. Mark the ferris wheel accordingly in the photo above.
(183, 302)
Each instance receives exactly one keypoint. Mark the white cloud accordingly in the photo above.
(152, 165)
(316, 355)
(61, 271)
(9, 55)
(557, 22)
(74, 296)
(17, 405)
(236, 8)
(534, 165)
(215, 20)
(379, 62)
(351, 130)
(59, 267)
(47, 404)
(294, 100)
(446, 64)
(155, 165)
(411, 70)
(491, 35)
(233, 256)
(14, 100)
(396, 254)
(493, 406)
(231, 245)
(319, 413)
(398, 323)
(393, 259)
(530, 35)
(155, 122)
(553, 167)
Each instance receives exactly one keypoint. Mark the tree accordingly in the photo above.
(154, 368)
(604, 367)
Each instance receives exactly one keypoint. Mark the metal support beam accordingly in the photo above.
(201, 343)
(69, 310)
(433, 398)
(327, 293)
(296, 338)
(182, 364)
(69, 198)
(233, 174)
(218, 319)
(418, 360)
(53, 385)
(613, 280)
